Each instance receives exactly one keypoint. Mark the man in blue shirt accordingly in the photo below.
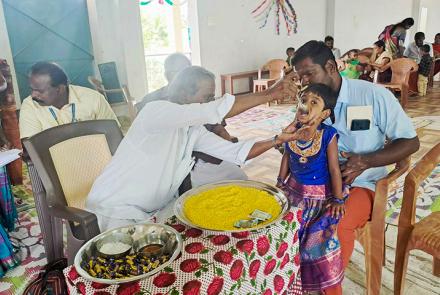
(365, 116)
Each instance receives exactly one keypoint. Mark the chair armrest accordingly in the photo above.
(88, 223)
(382, 186)
(113, 90)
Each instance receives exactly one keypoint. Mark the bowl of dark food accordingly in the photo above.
(128, 253)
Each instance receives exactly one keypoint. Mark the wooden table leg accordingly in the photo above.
(251, 84)
(231, 85)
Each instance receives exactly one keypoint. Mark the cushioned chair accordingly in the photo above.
(372, 235)
(423, 235)
(65, 162)
(401, 69)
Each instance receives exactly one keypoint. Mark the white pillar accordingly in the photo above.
(133, 47)
(193, 23)
(116, 30)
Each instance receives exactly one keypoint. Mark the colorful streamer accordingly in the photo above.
(283, 9)
(160, 2)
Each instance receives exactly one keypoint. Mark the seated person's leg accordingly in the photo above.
(357, 212)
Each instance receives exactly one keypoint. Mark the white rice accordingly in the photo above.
(114, 248)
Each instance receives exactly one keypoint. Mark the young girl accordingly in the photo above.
(310, 177)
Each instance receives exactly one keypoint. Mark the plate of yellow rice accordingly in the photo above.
(218, 206)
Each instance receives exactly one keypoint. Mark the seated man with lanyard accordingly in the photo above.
(53, 101)
(208, 169)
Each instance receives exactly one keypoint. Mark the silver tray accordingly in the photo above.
(137, 231)
(274, 191)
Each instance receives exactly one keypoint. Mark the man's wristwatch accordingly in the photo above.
(274, 142)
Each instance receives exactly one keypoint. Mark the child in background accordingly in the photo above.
(290, 54)
(350, 66)
(425, 66)
(311, 178)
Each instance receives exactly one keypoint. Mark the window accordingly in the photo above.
(165, 31)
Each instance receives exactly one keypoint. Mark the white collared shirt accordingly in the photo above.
(413, 51)
(155, 156)
(89, 105)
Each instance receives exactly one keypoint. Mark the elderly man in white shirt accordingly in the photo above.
(153, 159)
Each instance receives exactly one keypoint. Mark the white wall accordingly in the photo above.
(433, 19)
(230, 40)
(358, 23)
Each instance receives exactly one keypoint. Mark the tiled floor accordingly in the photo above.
(420, 280)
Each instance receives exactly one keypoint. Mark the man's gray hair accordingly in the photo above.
(186, 83)
(174, 63)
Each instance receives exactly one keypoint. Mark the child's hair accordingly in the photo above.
(380, 43)
(425, 48)
(327, 94)
(289, 49)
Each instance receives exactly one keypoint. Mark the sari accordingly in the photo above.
(8, 214)
(392, 37)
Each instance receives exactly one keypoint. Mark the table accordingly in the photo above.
(257, 262)
(229, 78)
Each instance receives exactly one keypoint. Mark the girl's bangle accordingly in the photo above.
(337, 200)
(280, 180)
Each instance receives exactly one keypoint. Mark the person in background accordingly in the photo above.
(329, 42)
(54, 101)
(173, 64)
(378, 60)
(364, 155)
(394, 37)
(413, 50)
(290, 54)
(425, 66)
(8, 211)
(436, 52)
(9, 121)
(349, 65)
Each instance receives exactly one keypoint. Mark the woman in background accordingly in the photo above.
(394, 37)
(8, 215)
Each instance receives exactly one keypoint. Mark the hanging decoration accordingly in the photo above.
(175, 3)
(282, 8)
(160, 2)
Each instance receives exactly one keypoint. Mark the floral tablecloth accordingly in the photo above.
(256, 262)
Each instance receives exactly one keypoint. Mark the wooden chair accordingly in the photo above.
(275, 68)
(65, 162)
(401, 70)
(128, 99)
(423, 235)
(372, 235)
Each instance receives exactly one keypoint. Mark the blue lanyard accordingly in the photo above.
(73, 114)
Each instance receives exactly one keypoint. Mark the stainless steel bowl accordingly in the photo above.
(275, 192)
(116, 237)
(140, 233)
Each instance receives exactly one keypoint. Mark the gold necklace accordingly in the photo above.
(311, 150)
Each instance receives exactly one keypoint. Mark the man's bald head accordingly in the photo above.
(175, 63)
